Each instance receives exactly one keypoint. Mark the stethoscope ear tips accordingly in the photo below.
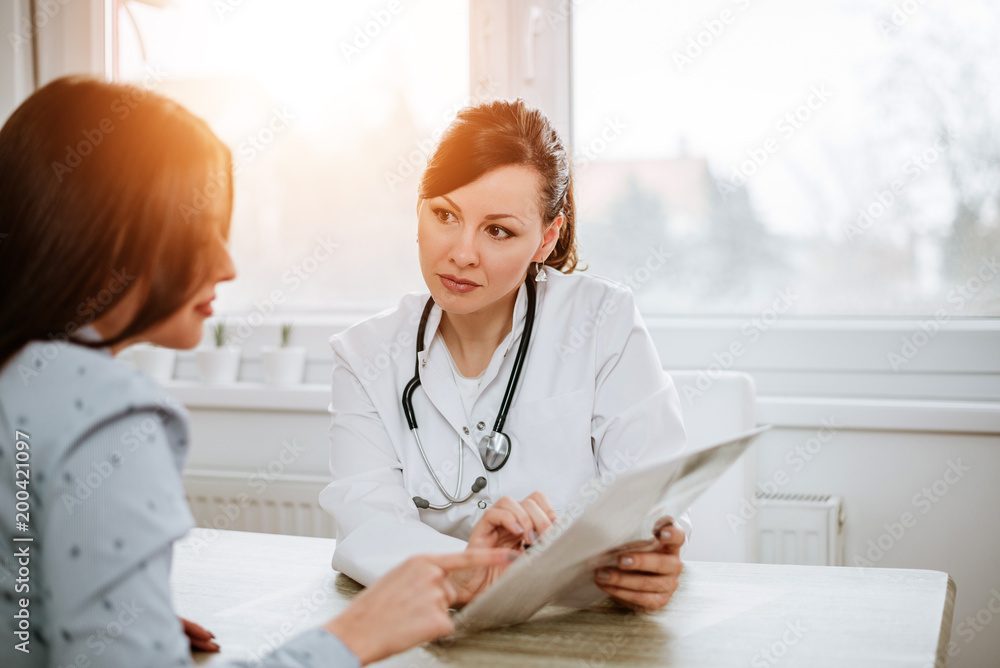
(479, 484)
(424, 504)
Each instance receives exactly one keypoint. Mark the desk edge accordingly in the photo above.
(941, 660)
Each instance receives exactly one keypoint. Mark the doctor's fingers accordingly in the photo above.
(500, 527)
(664, 522)
(671, 538)
(538, 516)
(643, 601)
(637, 581)
(511, 515)
(658, 563)
(543, 503)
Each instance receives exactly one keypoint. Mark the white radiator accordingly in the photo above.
(245, 502)
(799, 529)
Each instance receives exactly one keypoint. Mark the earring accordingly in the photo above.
(540, 276)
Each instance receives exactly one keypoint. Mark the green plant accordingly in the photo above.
(286, 334)
(220, 334)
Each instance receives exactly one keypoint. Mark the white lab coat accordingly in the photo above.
(592, 398)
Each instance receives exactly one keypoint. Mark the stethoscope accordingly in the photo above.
(494, 448)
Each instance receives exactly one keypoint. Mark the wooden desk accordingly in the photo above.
(252, 589)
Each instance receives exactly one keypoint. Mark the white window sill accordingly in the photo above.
(244, 396)
(906, 415)
(805, 370)
(972, 417)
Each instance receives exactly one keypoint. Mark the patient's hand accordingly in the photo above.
(199, 637)
(646, 580)
(505, 524)
(408, 605)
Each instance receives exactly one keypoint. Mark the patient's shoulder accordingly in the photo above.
(57, 391)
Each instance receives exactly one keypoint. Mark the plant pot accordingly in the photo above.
(157, 363)
(283, 366)
(219, 365)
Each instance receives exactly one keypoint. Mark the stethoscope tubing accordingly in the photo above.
(522, 349)
(453, 499)
(414, 383)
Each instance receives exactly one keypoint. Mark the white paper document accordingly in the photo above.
(612, 510)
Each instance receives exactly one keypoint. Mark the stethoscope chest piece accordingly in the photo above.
(494, 449)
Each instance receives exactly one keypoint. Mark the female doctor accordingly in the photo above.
(474, 416)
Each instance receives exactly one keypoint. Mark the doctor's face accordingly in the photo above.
(477, 242)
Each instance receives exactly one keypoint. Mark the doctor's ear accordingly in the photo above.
(550, 238)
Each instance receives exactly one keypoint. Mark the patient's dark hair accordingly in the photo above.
(99, 183)
(504, 132)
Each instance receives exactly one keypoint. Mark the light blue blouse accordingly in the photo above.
(93, 451)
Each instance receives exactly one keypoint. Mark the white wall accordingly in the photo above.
(879, 474)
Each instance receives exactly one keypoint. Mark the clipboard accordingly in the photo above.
(612, 510)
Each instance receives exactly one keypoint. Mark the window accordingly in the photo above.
(839, 155)
(330, 109)
(843, 154)
(731, 157)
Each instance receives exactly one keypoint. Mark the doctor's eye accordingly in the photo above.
(444, 215)
(498, 232)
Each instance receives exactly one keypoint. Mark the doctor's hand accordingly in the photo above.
(409, 604)
(646, 580)
(508, 524)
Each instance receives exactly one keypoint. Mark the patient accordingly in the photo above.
(114, 214)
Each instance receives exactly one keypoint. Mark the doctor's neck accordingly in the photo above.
(472, 338)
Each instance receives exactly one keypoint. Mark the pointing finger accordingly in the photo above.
(475, 558)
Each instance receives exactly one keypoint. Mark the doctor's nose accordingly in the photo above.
(464, 252)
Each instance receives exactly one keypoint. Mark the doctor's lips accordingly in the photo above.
(456, 284)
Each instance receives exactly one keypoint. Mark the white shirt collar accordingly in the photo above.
(432, 339)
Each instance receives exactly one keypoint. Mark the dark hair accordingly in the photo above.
(504, 132)
(103, 188)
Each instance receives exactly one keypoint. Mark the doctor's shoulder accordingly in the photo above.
(591, 298)
(388, 336)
